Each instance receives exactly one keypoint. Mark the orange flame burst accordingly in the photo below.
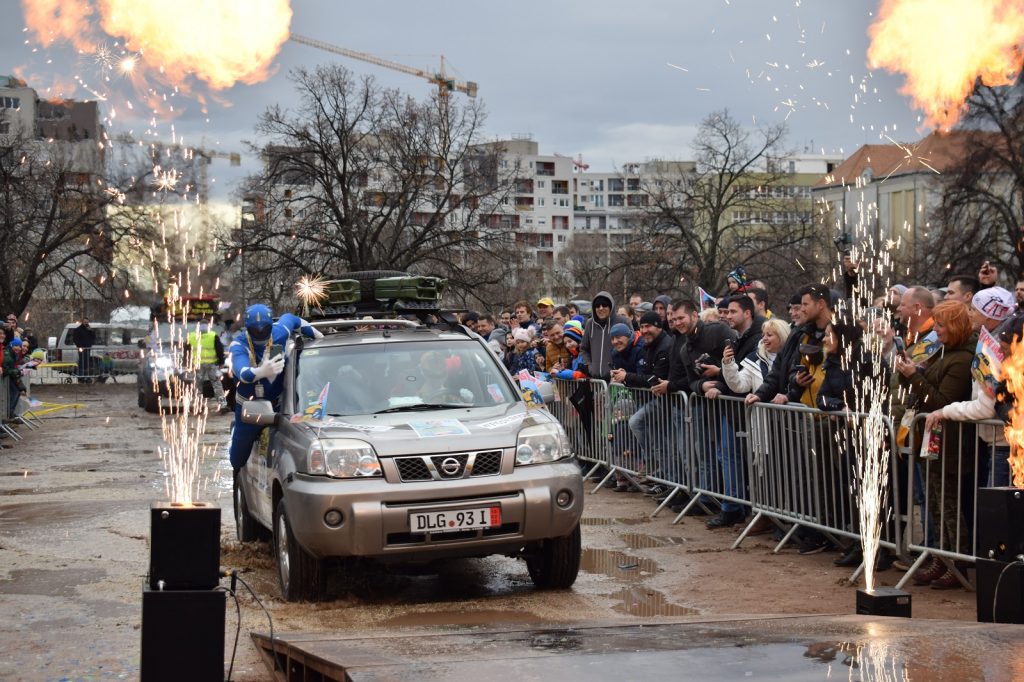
(944, 46)
(221, 42)
(1013, 373)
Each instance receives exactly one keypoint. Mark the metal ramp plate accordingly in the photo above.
(763, 648)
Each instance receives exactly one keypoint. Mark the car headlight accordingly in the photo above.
(542, 443)
(343, 458)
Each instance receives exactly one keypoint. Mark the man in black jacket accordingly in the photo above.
(649, 424)
(84, 339)
(596, 349)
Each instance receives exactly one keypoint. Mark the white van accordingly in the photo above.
(116, 350)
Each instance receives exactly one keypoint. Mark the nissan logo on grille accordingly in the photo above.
(450, 466)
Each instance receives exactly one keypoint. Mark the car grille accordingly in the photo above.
(449, 466)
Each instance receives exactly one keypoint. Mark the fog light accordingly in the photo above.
(563, 499)
(333, 518)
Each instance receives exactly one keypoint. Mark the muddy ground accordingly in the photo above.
(74, 528)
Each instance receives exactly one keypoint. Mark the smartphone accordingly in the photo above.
(274, 350)
(901, 345)
(801, 368)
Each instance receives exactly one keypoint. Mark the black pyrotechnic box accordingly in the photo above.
(883, 601)
(184, 546)
(1000, 523)
(1000, 583)
(182, 635)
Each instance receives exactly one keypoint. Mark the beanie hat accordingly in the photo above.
(739, 275)
(15, 342)
(573, 330)
(652, 318)
(620, 329)
(899, 288)
(522, 335)
(995, 303)
(578, 318)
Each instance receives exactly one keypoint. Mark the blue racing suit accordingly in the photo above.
(244, 357)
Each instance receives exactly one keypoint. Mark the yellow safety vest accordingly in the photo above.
(205, 342)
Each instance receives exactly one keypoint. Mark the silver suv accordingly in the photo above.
(401, 441)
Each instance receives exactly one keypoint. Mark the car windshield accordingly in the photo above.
(397, 376)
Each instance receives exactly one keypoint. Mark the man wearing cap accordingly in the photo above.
(596, 348)
(990, 307)
(627, 348)
(256, 359)
(545, 307)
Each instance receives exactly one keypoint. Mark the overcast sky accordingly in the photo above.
(613, 81)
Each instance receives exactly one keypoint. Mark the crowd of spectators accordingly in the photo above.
(932, 347)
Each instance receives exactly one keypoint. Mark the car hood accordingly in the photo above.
(411, 433)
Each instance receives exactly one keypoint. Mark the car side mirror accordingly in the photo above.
(259, 412)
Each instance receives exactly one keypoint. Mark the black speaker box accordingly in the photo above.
(184, 546)
(182, 635)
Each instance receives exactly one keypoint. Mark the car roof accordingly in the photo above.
(351, 337)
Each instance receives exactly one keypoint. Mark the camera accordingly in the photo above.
(704, 359)
(844, 242)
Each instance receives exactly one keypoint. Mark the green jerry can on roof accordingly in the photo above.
(341, 292)
(409, 288)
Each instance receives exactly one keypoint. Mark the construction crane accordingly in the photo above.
(444, 83)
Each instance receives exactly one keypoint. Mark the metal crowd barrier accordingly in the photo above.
(944, 520)
(6, 415)
(790, 463)
(802, 472)
(581, 407)
(648, 440)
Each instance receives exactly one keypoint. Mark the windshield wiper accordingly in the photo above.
(421, 406)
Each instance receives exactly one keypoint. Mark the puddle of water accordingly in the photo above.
(32, 515)
(641, 541)
(436, 618)
(616, 564)
(115, 448)
(16, 473)
(54, 583)
(595, 521)
(638, 600)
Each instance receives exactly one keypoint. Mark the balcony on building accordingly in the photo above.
(633, 184)
(616, 185)
(524, 203)
(524, 186)
(545, 168)
(616, 200)
(559, 186)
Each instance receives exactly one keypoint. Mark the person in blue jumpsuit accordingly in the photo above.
(258, 370)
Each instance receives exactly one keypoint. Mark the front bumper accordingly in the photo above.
(376, 512)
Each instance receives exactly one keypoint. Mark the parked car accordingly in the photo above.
(115, 352)
(400, 441)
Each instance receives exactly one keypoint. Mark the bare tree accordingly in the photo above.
(63, 222)
(360, 177)
(982, 207)
(734, 208)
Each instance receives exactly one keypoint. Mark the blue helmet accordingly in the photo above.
(258, 322)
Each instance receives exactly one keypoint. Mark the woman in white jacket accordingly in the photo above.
(745, 376)
(993, 456)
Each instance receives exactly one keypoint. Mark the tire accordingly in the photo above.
(142, 398)
(151, 402)
(557, 563)
(366, 279)
(299, 573)
(246, 525)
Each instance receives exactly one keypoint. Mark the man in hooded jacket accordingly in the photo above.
(596, 349)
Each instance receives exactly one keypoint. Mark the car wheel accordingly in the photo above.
(142, 398)
(557, 563)
(300, 574)
(246, 525)
(152, 401)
